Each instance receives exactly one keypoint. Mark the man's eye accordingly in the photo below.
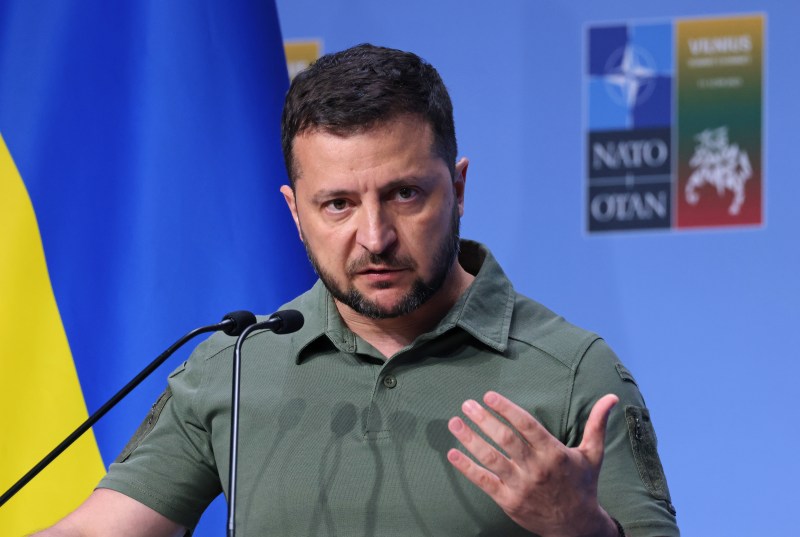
(336, 205)
(406, 193)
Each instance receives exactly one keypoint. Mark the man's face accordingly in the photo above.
(378, 213)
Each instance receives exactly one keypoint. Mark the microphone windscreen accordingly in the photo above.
(290, 321)
(241, 320)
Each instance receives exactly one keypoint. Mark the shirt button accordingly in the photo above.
(390, 381)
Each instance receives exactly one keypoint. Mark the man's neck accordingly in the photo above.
(388, 336)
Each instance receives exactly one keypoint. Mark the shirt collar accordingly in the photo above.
(484, 310)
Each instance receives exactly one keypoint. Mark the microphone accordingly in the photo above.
(280, 322)
(236, 321)
(233, 324)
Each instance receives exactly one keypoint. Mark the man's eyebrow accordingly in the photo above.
(324, 195)
(408, 180)
(334, 193)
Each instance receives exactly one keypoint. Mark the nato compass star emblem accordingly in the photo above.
(630, 76)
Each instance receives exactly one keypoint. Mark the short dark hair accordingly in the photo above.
(354, 90)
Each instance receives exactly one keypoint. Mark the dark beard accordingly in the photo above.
(421, 291)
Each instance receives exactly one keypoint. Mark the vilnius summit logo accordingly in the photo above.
(668, 144)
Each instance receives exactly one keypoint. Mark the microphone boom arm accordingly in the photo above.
(231, 324)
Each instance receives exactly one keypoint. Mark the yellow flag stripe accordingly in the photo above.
(39, 388)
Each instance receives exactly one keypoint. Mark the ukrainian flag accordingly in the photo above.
(139, 172)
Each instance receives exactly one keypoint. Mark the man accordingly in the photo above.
(347, 425)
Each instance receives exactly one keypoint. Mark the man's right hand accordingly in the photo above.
(107, 512)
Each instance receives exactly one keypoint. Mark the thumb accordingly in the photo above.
(594, 434)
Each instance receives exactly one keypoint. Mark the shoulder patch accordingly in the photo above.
(643, 442)
(146, 426)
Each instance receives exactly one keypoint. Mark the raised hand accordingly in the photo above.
(544, 486)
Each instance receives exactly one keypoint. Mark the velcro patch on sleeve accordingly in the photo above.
(643, 443)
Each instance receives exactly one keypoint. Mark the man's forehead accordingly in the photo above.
(409, 135)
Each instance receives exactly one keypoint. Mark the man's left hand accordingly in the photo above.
(541, 484)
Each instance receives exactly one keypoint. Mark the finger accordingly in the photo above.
(479, 476)
(531, 430)
(486, 454)
(594, 434)
(500, 433)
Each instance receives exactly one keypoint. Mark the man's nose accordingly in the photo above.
(376, 230)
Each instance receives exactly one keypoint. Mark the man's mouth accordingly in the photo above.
(379, 270)
(379, 274)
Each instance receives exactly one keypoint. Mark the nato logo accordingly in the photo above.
(629, 118)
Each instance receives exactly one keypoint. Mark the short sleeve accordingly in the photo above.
(169, 465)
(632, 487)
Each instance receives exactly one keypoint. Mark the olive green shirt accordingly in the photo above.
(337, 440)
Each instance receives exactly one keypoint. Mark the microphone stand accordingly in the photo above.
(281, 322)
(231, 323)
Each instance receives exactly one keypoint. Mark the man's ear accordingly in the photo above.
(460, 182)
(288, 195)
